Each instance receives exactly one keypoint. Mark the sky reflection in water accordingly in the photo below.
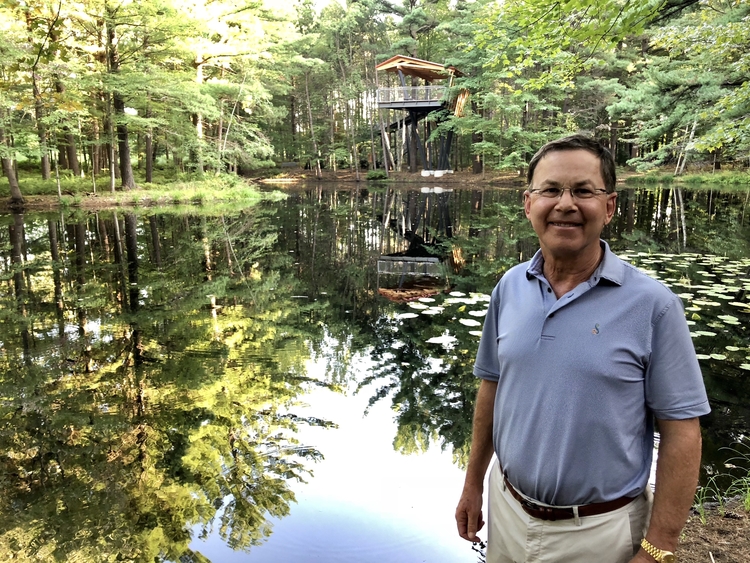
(366, 503)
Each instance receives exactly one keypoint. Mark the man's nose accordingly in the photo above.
(566, 200)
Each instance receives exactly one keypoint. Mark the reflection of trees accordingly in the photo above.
(161, 400)
(676, 220)
(432, 389)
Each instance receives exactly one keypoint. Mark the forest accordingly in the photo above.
(122, 89)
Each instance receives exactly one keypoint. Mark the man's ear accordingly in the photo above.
(527, 204)
(611, 207)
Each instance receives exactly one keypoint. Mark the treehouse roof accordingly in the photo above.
(425, 70)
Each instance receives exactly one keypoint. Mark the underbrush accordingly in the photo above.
(713, 494)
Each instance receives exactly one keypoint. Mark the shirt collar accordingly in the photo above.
(610, 268)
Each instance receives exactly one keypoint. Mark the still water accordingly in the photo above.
(277, 383)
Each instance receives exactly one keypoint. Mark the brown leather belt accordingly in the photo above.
(555, 513)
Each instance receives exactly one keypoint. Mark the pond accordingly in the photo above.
(292, 381)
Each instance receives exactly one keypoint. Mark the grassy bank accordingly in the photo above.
(722, 178)
(166, 189)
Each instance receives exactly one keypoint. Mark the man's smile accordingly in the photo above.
(564, 224)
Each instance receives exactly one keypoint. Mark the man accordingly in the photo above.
(579, 354)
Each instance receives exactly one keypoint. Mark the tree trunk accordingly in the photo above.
(154, 227)
(16, 199)
(123, 145)
(477, 164)
(131, 246)
(62, 153)
(111, 145)
(149, 158)
(149, 141)
(96, 161)
(41, 129)
(199, 62)
(312, 131)
(67, 148)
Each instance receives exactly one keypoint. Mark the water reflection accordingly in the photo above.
(132, 409)
(153, 364)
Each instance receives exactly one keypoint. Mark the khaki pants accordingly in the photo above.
(516, 537)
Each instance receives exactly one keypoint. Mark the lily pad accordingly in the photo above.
(432, 311)
(407, 316)
(478, 313)
(444, 340)
(728, 318)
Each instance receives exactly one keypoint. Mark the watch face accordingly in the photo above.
(668, 558)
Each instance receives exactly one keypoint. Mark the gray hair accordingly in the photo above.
(579, 142)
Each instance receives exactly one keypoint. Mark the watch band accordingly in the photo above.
(660, 555)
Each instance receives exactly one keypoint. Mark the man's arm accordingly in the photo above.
(677, 470)
(469, 509)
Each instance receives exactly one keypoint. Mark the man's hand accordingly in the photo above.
(469, 510)
(677, 470)
(642, 557)
(469, 514)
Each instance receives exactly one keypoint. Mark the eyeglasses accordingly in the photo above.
(576, 193)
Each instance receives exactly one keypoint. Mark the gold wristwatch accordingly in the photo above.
(660, 555)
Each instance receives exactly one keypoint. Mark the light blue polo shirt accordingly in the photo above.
(581, 378)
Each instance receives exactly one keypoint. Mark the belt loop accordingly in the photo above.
(575, 515)
(505, 480)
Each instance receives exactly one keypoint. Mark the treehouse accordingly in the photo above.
(417, 99)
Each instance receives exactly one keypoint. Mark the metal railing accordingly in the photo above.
(411, 94)
(411, 265)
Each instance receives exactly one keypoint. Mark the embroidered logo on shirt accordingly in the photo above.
(595, 330)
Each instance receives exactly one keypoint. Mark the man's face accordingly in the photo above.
(569, 229)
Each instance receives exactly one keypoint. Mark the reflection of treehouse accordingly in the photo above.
(418, 101)
(423, 221)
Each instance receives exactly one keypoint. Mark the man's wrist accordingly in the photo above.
(657, 554)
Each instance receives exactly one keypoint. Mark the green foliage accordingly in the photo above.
(739, 483)
(374, 175)
(723, 178)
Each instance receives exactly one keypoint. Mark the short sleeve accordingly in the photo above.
(674, 383)
(487, 364)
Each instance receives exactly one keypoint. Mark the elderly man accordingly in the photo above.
(579, 354)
